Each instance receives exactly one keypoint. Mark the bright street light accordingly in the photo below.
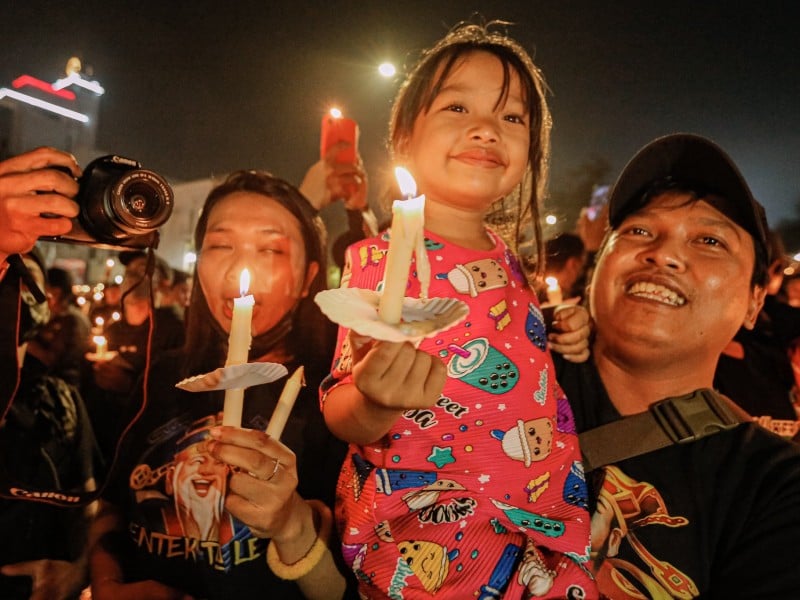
(387, 69)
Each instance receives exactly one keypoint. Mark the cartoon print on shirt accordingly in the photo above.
(428, 495)
(370, 256)
(528, 520)
(529, 441)
(477, 276)
(500, 315)
(536, 487)
(481, 365)
(533, 572)
(575, 490)
(429, 561)
(534, 327)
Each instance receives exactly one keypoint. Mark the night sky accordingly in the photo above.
(201, 88)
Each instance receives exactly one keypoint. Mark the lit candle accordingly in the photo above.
(285, 403)
(553, 290)
(102, 346)
(406, 238)
(238, 348)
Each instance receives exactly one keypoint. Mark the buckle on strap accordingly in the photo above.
(693, 416)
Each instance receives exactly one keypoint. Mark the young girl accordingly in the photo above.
(463, 477)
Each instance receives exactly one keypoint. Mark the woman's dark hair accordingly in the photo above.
(520, 210)
(311, 336)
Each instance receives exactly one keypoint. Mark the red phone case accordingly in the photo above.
(335, 130)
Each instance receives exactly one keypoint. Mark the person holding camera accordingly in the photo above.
(35, 201)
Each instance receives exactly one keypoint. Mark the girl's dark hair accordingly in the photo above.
(311, 337)
(512, 215)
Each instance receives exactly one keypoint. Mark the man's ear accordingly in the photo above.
(754, 306)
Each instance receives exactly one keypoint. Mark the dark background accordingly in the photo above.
(200, 88)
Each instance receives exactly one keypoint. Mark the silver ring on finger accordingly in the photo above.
(274, 470)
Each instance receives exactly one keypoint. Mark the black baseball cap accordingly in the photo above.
(695, 161)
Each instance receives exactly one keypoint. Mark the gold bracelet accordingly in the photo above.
(314, 555)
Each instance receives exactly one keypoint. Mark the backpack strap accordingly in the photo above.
(670, 421)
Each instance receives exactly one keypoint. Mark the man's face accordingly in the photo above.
(199, 475)
(675, 279)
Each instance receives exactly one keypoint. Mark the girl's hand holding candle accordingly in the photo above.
(238, 348)
(285, 403)
(406, 238)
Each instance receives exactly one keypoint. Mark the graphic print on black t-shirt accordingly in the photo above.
(179, 490)
(624, 506)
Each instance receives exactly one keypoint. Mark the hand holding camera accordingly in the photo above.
(121, 205)
(29, 188)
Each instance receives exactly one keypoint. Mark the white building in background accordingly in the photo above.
(176, 244)
(64, 114)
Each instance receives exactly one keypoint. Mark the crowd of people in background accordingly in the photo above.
(115, 484)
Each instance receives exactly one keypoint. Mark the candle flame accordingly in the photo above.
(408, 187)
(335, 113)
(100, 340)
(552, 282)
(244, 282)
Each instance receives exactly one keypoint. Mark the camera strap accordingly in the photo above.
(678, 420)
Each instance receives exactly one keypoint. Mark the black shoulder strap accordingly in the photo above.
(671, 421)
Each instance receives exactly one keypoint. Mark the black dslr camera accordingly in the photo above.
(121, 205)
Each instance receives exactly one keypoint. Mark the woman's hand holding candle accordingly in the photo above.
(239, 340)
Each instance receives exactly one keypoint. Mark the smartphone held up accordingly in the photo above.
(336, 129)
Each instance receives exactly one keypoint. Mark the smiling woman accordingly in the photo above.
(188, 483)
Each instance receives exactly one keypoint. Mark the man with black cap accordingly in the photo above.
(681, 269)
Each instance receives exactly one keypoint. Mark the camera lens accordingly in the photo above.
(141, 201)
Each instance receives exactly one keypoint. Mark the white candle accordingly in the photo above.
(405, 238)
(239, 340)
(553, 290)
(285, 403)
(102, 346)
